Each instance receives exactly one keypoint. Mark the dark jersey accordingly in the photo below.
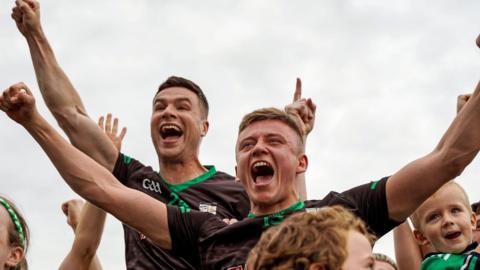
(213, 192)
(219, 246)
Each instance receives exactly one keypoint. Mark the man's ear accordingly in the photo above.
(419, 237)
(205, 126)
(14, 257)
(302, 164)
(473, 221)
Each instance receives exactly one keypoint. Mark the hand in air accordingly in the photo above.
(26, 15)
(18, 103)
(303, 108)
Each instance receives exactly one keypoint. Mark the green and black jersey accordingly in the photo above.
(208, 243)
(467, 260)
(213, 192)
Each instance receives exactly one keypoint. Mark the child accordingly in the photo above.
(14, 237)
(446, 221)
(332, 238)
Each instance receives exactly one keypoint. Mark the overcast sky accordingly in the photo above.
(384, 75)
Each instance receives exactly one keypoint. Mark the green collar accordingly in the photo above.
(179, 187)
(278, 217)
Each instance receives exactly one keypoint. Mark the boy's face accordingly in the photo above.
(446, 221)
(359, 252)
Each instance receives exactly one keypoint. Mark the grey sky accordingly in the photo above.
(384, 75)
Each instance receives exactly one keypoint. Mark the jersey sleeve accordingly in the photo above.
(447, 261)
(124, 167)
(369, 202)
(187, 229)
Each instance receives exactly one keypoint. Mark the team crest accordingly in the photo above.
(312, 209)
(208, 208)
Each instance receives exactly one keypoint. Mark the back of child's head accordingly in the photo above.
(307, 238)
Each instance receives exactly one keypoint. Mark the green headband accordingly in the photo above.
(15, 219)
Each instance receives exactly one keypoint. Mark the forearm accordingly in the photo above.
(66, 106)
(417, 181)
(87, 239)
(97, 185)
(407, 252)
(57, 90)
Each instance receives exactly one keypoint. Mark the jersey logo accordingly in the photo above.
(240, 267)
(208, 208)
(312, 209)
(151, 185)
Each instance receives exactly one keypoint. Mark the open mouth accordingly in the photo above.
(261, 172)
(170, 131)
(452, 235)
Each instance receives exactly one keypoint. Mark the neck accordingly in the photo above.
(266, 209)
(180, 171)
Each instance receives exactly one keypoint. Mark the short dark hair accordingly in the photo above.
(476, 208)
(175, 81)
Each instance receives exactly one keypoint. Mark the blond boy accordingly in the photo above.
(446, 222)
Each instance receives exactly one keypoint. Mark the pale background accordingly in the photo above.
(384, 74)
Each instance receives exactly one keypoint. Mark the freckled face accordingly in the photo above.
(359, 252)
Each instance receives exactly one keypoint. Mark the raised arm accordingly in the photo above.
(58, 92)
(415, 182)
(304, 110)
(85, 176)
(87, 222)
(407, 253)
(88, 233)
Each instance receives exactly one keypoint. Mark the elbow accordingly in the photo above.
(67, 117)
(453, 161)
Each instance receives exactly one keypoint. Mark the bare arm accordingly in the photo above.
(415, 182)
(407, 252)
(304, 110)
(88, 234)
(86, 177)
(89, 231)
(58, 92)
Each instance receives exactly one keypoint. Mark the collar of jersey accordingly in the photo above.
(179, 187)
(299, 205)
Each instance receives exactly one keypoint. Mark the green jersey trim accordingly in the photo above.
(180, 187)
(278, 217)
(127, 160)
(373, 185)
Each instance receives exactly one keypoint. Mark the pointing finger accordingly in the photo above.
(298, 90)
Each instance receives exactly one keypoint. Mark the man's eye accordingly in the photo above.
(246, 146)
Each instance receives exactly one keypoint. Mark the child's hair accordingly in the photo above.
(384, 258)
(18, 233)
(415, 219)
(307, 238)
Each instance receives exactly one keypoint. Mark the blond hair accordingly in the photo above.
(272, 114)
(307, 238)
(415, 217)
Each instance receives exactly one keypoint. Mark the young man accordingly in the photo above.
(178, 124)
(446, 222)
(269, 155)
